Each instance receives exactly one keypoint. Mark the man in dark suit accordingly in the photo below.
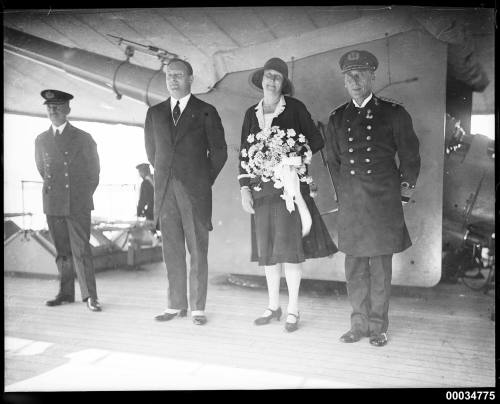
(67, 160)
(363, 137)
(185, 143)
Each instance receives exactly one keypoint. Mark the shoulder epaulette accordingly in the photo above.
(390, 101)
(334, 110)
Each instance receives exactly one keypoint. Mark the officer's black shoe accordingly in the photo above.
(58, 300)
(352, 336)
(93, 304)
(169, 316)
(378, 339)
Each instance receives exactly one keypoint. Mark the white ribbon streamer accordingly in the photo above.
(286, 172)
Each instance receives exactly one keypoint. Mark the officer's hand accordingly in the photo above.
(247, 200)
(406, 192)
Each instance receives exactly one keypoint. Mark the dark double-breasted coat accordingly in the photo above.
(70, 169)
(362, 144)
(193, 151)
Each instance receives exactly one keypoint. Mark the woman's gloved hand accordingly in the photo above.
(247, 200)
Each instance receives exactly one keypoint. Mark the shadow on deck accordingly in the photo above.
(438, 337)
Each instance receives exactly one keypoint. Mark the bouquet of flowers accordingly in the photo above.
(281, 156)
(271, 148)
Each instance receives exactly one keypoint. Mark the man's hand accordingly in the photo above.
(247, 200)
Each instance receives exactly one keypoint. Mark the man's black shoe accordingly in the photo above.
(352, 336)
(93, 304)
(199, 320)
(59, 300)
(378, 339)
(169, 316)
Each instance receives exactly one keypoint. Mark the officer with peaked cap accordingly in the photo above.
(363, 137)
(67, 160)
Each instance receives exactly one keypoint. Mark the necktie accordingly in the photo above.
(57, 132)
(176, 113)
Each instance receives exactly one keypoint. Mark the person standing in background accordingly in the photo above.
(145, 206)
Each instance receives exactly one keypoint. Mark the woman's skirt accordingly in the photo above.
(277, 233)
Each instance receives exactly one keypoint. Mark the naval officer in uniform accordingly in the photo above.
(363, 137)
(67, 160)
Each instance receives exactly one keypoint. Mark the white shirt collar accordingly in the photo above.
(182, 102)
(366, 101)
(59, 128)
(259, 111)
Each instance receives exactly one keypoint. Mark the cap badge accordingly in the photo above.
(49, 95)
(353, 56)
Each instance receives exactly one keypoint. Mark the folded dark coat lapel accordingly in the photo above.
(70, 170)
(194, 152)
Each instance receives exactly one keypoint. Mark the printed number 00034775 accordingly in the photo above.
(470, 395)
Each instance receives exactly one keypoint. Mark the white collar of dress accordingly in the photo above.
(259, 110)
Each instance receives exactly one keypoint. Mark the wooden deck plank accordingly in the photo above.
(438, 338)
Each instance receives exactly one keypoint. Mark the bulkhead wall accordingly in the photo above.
(412, 71)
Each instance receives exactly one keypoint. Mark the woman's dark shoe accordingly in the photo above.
(290, 327)
(266, 319)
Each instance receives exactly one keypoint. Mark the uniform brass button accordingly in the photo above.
(368, 138)
(353, 172)
(48, 176)
(351, 150)
(369, 127)
(65, 152)
(368, 171)
(65, 163)
(368, 149)
(351, 161)
(67, 185)
(351, 139)
(367, 160)
(49, 187)
(65, 174)
(348, 129)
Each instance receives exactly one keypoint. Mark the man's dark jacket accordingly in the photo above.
(193, 152)
(69, 166)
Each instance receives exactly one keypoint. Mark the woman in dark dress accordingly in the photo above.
(280, 238)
